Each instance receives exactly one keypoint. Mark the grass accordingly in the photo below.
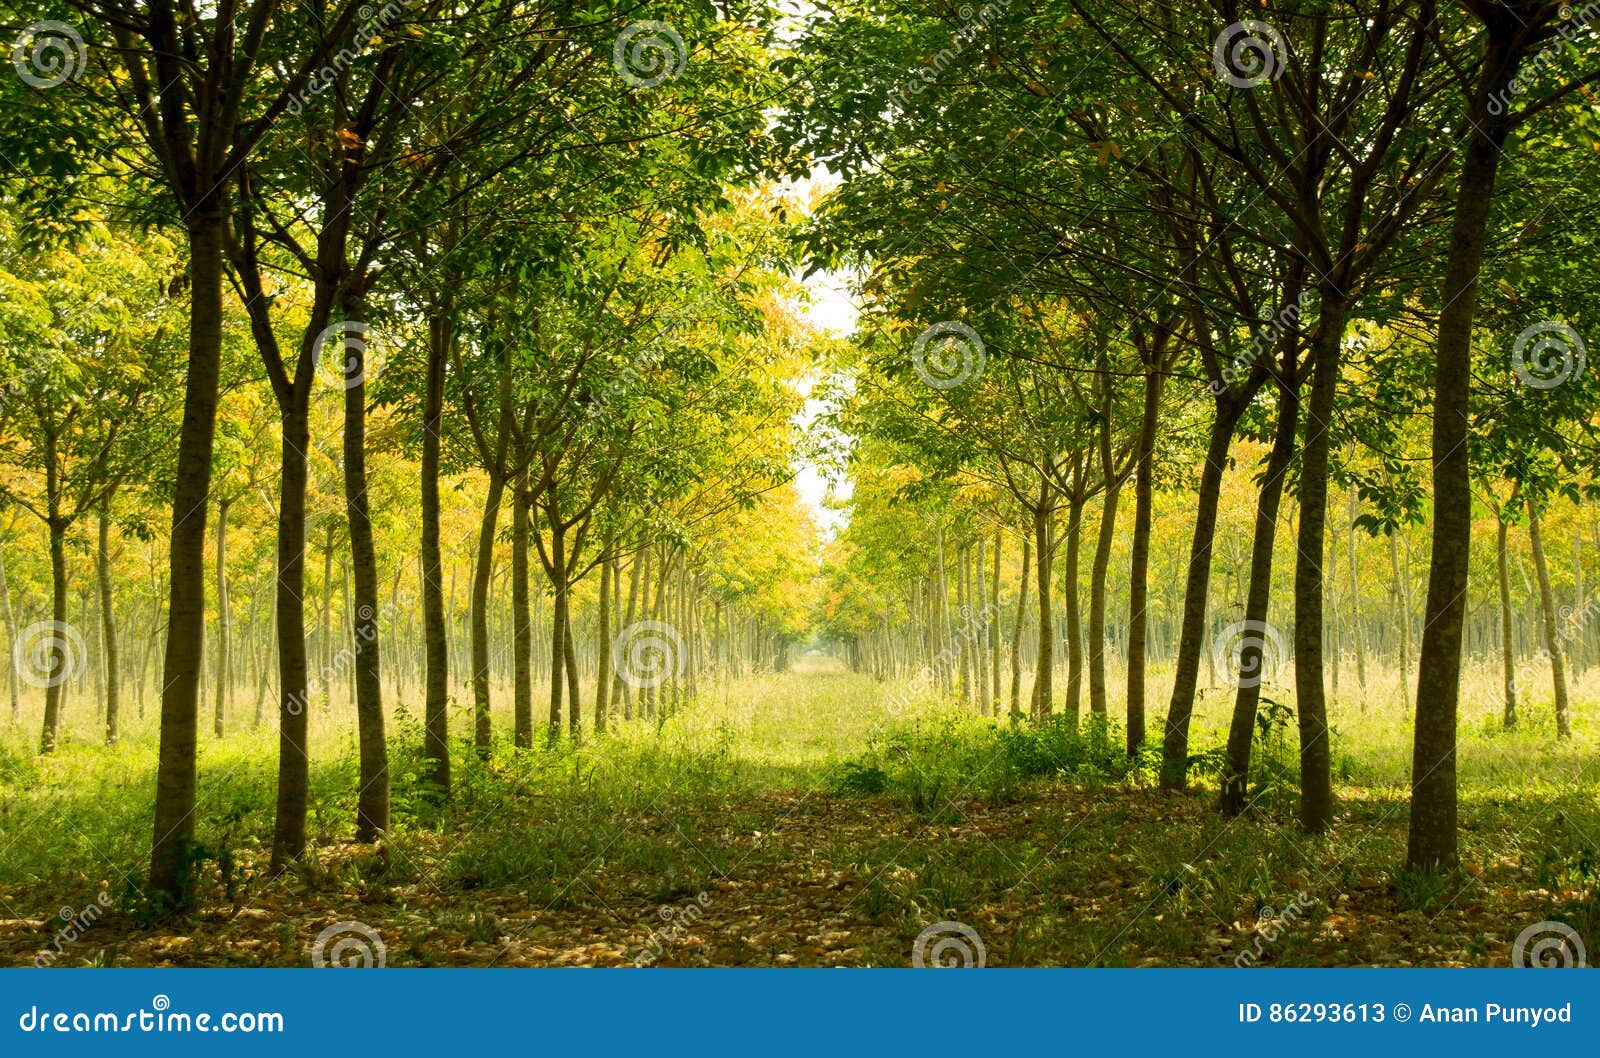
(792, 819)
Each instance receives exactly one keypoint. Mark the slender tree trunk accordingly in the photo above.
(602, 682)
(1507, 652)
(11, 637)
(558, 628)
(1074, 612)
(1043, 700)
(171, 856)
(372, 800)
(224, 631)
(991, 629)
(1197, 585)
(1356, 628)
(482, 733)
(325, 618)
(1139, 555)
(1431, 840)
(620, 686)
(1316, 774)
(289, 832)
(108, 630)
(61, 661)
(1258, 600)
(1552, 629)
(1016, 628)
(1097, 600)
(575, 709)
(435, 632)
(521, 619)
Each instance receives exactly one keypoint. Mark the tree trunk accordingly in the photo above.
(1507, 652)
(1431, 842)
(1258, 599)
(289, 832)
(11, 637)
(1097, 598)
(1316, 774)
(602, 681)
(171, 857)
(1043, 701)
(558, 627)
(372, 801)
(224, 632)
(521, 618)
(108, 630)
(1074, 613)
(60, 638)
(435, 633)
(1552, 629)
(1197, 585)
(1139, 555)
(1016, 628)
(482, 733)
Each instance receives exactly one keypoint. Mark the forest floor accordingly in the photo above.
(789, 820)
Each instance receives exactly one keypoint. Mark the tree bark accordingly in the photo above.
(1197, 585)
(224, 632)
(108, 630)
(171, 857)
(521, 618)
(1507, 652)
(1139, 555)
(372, 800)
(482, 733)
(289, 832)
(1241, 731)
(435, 633)
(1431, 841)
(1016, 628)
(1043, 702)
(1552, 629)
(1316, 774)
(1097, 597)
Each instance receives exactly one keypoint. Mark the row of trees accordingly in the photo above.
(521, 244)
(1119, 239)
